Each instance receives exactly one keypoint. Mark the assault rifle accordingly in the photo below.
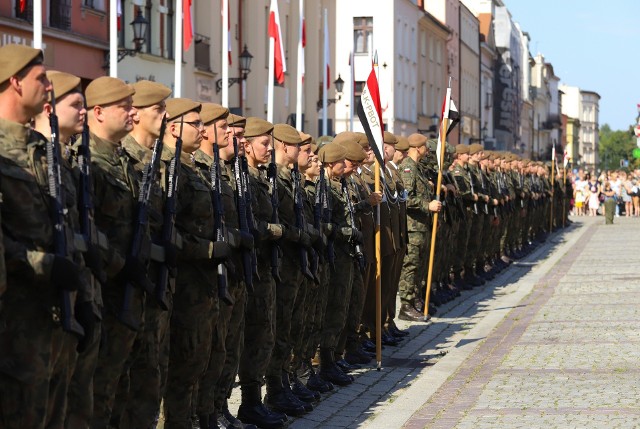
(249, 211)
(219, 225)
(248, 255)
(61, 232)
(298, 206)
(326, 216)
(473, 192)
(272, 175)
(357, 249)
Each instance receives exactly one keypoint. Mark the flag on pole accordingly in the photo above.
(303, 41)
(327, 53)
(450, 113)
(118, 11)
(187, 28)
(565, 159)
(553, 152)
(228, 31)
(276, 34)
(370, 114)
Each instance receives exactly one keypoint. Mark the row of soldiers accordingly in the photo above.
(156, 249)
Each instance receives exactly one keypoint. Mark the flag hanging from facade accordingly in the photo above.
(228, 31)
(118, 11)
(280, 67)
(303, 39)
(187, 28)
(327, 54)
(450, 113)
(23, 6)
(370, 114)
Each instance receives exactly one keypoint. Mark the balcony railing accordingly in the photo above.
(60, 16)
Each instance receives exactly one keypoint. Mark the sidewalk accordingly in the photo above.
(438, 377)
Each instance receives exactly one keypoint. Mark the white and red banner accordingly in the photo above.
(275, 33)
(449, 113)
(370, 114)
(187, 27)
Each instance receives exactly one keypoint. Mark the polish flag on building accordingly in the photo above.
(23, 6)
(303, 42)
(280, 67)
(187, 28)
(118, 11)
(228, 31)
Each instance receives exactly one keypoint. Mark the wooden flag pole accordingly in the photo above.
(553, 185)
(434, 227)
(564, 193)
(378, 274)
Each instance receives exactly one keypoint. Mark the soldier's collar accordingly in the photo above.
(202, 158)
(19, 133)
(134, 149)
(110, 151)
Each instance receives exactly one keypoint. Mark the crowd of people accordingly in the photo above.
(590, 193)
(158, 249)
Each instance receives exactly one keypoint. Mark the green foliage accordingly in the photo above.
(616, 145)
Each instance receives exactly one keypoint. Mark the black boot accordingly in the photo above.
(301, 391)
(229, 421)
(253, 411)
(286, 384)
(278, 399)
(330, 371)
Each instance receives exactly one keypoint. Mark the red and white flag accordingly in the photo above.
(23, 5)
(370, 114)
(327, 54)
(565, 159)
(303, 40)
(228, 31)
(280, 67)
(118, 11)
(187, 28)
(450, 113)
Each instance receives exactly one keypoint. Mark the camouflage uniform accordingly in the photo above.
(34, 374)
(195, 303)
(419, 193)
(138, 402)
(116, 190)
(228, 335)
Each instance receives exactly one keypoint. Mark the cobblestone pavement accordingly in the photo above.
(552, 343)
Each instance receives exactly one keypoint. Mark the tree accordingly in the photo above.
(615, 146)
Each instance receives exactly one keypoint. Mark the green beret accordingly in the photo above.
(314, 148)
(14, 58)
(449, 148)
(354, 151)
(416, 140)
(389, 138)
(331, 152)
(306, 138)
(462, 148)
(63, 83)
(363, 140)
(234, 120)
(212, 112)
(323, 140)
(475, 148)
(403, 144)
(106, 90)
(256, 127)
(177, 107)
(345, 136)
(286, 134)
(149, 93)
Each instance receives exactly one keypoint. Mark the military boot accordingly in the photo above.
(302, 391)
(253, 411)
(286, 384)
(226, 420)
(408, 312)
(278, 399)
(330, 371)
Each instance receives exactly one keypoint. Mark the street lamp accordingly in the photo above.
(245, 69)
(140, 25)
(339, 84)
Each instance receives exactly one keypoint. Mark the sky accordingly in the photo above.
(592, 45)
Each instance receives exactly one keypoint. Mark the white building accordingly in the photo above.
(585, 106)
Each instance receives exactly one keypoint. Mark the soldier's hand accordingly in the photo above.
(435, 206)
(246, 240)
(486, 198)
(305, 239)
(136, 272)
(356, 235)
(495, 202)
(65, 274)
(475, 197)
(220, 251)
(374, 198)
(292, 234)
(275, 230)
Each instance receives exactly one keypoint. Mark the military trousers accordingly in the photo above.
(339, 295)
(412, 266)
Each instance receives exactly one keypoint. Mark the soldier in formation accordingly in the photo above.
(156, 249)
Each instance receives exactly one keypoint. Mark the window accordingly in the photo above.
(423, 99)
(27, 13)
(94, 4)
(423, 43)
(203, 53)
(357, 91)
(362, 34)
(60, 14)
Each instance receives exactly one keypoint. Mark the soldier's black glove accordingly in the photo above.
(65, 274)
(221, 251)
(170, 255)
(356, 236)
(87, 319)
(305, 239)
(135, 271)
(291, 233)
(246, 240)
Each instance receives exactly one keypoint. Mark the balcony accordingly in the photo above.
(203, 53)
(60, 15)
